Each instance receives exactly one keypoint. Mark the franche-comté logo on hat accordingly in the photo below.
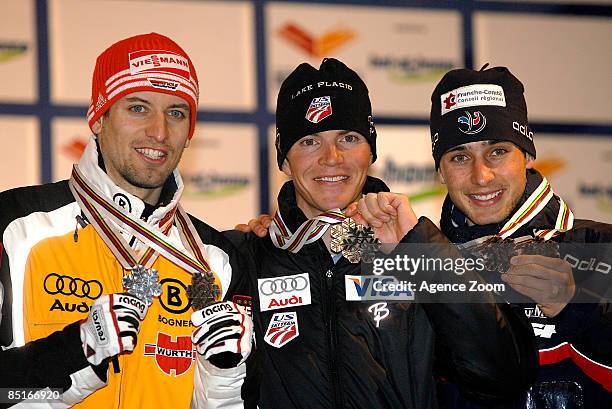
(158, 61)
(473, 95)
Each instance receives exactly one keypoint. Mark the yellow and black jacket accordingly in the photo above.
(54, 265)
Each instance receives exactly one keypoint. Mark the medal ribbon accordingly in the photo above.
(565, 221)
(534, 204)
(310, 231)
(98, 210)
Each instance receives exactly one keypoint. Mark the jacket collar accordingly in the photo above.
(454, 224)
(131, 204)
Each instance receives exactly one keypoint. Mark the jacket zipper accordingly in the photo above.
(331, 337)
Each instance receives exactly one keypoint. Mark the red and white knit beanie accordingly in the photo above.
(147, 62)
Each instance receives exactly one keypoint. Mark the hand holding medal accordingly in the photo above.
(203, 290)
(355, 241)
(389, 215)
(141, 285)
(224, 330)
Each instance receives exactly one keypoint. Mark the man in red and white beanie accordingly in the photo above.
(84, 260)
(148, 62)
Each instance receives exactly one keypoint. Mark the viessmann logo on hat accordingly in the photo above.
(158, 61)
(473, 95)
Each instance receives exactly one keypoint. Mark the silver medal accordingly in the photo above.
(355, 241)
(143, 283)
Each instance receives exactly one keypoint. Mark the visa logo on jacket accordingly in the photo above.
(364, 288)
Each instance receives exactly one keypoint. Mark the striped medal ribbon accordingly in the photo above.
(310, 231)
(534, 204)
(99, 211)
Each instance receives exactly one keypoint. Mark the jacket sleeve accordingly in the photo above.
(56, 361)
(247, 245)
(586, 321)
(481, 345)
(224, 388)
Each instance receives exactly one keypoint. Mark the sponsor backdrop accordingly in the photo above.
(218, 37)
(20, 152)
(405, 163)
(18, 80)
(244, 49)
(400, 54)
(585, 184)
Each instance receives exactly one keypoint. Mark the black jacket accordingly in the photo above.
(575, 347)
(340, 359)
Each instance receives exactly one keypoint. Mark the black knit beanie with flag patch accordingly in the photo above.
(331, 98)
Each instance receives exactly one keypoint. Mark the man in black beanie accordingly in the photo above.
(484, 151)
(315, 349)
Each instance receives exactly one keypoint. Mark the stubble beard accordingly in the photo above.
(144, 180)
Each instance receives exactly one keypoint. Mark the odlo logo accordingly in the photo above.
(172, 356)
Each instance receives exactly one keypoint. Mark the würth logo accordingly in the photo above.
(172, 356)
(317, 47)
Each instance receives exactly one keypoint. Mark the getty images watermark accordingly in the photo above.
(472, 273)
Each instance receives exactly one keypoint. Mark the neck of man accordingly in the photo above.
(148, 195)
(311, 213)
(327, 240)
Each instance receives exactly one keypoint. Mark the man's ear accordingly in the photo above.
(97, 126)
(286, 168)
(529, 162)
(441, 176)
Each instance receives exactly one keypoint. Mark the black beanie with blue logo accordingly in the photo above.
(469, 106)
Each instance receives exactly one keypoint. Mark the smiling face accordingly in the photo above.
(142, 138)
(485, 180)
(328, 170)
